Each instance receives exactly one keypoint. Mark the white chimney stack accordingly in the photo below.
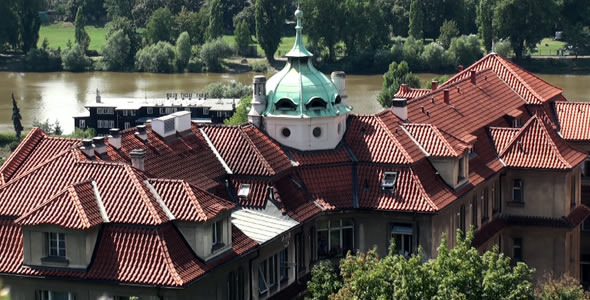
(115, 138)
(182, 120)
(399, 107)
(138, 158)
(164, 126)
(258, 100)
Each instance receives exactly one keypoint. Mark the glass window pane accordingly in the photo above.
(59, 296)
(272, 271)
(335, 242)
(323, 224)
(348, 240)
(334, 224)
(262, 277)
(323, 244)
(347, 222)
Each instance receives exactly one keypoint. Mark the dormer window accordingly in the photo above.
(316, 103)
(286, 104)
(217, 235)
(516, 122)
(388, 182)
(244, 190)
(461, 175)
(338, 100)
(56, 244)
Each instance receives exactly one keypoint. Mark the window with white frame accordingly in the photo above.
(335, 237)
(150, 110)
(82, 124)
(262, 277)
(388, 182)
(401, 235)
(485, 205)
(125, 112)
(267, 274)
(127, 125)
(53, 295)
(517, 191)
(574, 187)
(461, 174)
(206, 111)
(462, 220)
(284, 265)
(516, 122)
(244, 190)
(56, 244)
(235, 285)
(132, 113)
(495, 200)
(105, 111)
(217, 234)
(162, 110)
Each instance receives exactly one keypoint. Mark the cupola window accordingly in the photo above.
(317, 132)
(338, 100)
(286, 104)
(316, 103)
(286, 132)
(389, 181)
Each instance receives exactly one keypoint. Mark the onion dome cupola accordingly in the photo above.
(305, 109)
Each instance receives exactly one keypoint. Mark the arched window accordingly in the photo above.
(316, 103)
(338, 99)
(286, 104)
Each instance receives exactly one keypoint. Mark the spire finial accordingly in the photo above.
(298, 49)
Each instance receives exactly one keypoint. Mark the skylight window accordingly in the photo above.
(389, 181)
(244, 190)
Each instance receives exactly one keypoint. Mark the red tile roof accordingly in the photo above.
(309, 158)
(574, 120)
(535, 145)
(77, 207)
(431, 140)
(187, 202)
(247, 150)
(291, 193)
(411, 93)
(258, 195)
(333, 185)
(531, 88)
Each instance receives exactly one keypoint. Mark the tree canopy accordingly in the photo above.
(82, 37)
(270, 16)
(416, 20)
(397, 74)
(159, 27)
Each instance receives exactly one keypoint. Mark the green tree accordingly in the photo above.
(448, 31)
(242, 37)
(365, 30)
(465, 49)
(484, 20)
(400, 17)
(143, 10)
(457, 273)
(119, 8)
(397, 74)
(322, 23)
(231, 8)
(130, 31)
(75, 60)
(191, 22)
(30, 23)
(246, 15)
(57, 128)
(159, 27)
(215, 29)
(156, 58)
(525, 23)
(416, 20)
(563, 288)
(575, 19)
(16, 118)
(270, 16)
(213, 52)
(324, 280)
(183, 50)
(9, 24)
(81, 35)
(115, 53)
(241, 114)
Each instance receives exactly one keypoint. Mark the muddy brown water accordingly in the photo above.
(59, 96)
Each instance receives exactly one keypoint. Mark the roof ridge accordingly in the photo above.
(394, 139)
(76, 201)
(42, 204)
(194, 200)
(267, 165)
(532, 74)
(166, 256)
(517, 136)
(33, 133)
(520, 79)
(451, 84)
(143, 194)
(552, 142)
(422, 190)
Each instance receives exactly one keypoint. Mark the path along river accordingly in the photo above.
(59, 96)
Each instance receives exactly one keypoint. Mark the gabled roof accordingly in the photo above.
(187, 202)
(531, 88)
(431, 140)
(411, 93)
(247, 150)
(77, 207)
(574, 120)
(535, 145)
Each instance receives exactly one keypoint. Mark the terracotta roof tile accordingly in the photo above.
(411, 93)
(259, 192)
(76, 207)
(248, 151)
(574, 120)
(187, 202)
(332, 185)
(531, 88)
(431, 140)
(308, 158)
(293, 197)
(535, 145)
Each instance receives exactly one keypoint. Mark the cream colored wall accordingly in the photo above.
(301, 131)
(79, 245)
(448, 168)
(198, 235)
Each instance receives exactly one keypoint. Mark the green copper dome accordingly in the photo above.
(299, 89)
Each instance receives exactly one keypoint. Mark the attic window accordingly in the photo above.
(316, 103)
(244, 190)
(389, 181)
(516, 122)
(286, 104)
(338, 100)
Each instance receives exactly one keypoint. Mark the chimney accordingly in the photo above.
(447, 96)
(141, 133)
(137, 158)
(460, 68)
(99, 145)
(473, 78)
(399, 107)
(98, 99)
(339, 80)
(182, 120)
(87, 148)
(164, 126)
(115, 138)
(404, 88)
(434, 85)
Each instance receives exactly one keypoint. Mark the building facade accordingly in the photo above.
(180, 210)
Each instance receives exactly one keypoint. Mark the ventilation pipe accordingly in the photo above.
(399, 107)
(447, 96)
(87, 148)
(473, 77)
(115, 138)
(138, 158)
(434, 85)
(99, 145)
(141, 133)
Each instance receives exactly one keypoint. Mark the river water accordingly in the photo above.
(59, 96)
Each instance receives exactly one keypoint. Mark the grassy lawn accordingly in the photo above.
(58, 35)
(548, 46)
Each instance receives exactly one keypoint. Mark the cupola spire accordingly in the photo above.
(298, 49)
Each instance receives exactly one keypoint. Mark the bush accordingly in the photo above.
(260, 66)
(397, 50)
(241, 114)
(325, 280)
(435, 58)
(466, 49)
(116, 52)
(504, 48)
(7, 138)
(43, 59)
(233, 89)
(158, 58)
(195, 64)
(564, 288)
(397, 74)
(213, 52)
(13, 145)
(412, 50)
(75, 60)
(183, 50)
